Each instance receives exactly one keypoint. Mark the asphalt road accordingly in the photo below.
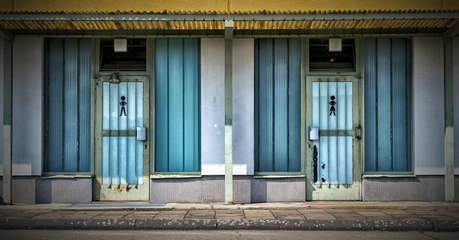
(221, 235)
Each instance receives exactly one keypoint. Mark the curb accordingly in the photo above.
(243, 224)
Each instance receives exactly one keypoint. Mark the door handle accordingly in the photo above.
(358, 133)
(141, 133)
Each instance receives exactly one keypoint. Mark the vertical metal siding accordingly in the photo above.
(68, 110)
(177, 105)
(294, 109)
(370, 105)
(384, 128)
(71, 105)
(278, 105)
(84, 78)
(266, 121)
(387, 81)
(55, 93)
(191, 105)
(176, 90)
(399, 102)
(161, 107)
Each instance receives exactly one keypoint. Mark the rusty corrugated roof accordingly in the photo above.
(247, 20)
(219, 25)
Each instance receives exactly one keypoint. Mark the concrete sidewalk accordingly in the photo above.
(356, 216)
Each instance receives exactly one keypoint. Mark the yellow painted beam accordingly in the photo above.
(223, 6)
(344, 5)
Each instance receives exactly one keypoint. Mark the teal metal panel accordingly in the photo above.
(266, 106)
(191, 104)
(176, 118)
(177, 105)
(84, 100)
(370, 105)
(161, 107)
(294, 108)
(68, 104)
(399, 105)
(387, 112)
(55, 108)
(280, 105)
(71, 105)
(384, 104)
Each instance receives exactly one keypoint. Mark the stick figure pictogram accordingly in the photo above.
(123, 104)
(332, 106)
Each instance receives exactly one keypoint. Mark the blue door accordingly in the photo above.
(122, 149)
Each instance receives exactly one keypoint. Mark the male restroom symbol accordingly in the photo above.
(123, 104)
(332, 106)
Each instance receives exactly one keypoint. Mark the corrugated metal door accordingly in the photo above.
(123, 161)
(334, 132)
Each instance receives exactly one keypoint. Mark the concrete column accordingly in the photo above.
(229, 24)
(449, 120)
(7, 121)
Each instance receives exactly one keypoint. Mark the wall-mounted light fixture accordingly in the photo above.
(335, 45)
(120, 44)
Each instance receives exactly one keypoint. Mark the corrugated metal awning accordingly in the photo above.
(425, 21)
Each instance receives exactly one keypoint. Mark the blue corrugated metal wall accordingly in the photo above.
(68, 108)
(387, 105)
(177, 77)
(277, 79)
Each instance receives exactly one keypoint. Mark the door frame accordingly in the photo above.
(99, 193)
(321, 191)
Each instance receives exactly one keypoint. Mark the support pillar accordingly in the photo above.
(7, 122)
(229, 25)
(449, 120)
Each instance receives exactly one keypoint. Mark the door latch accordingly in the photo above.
(141, 133)
(314, 134)
(358, 133)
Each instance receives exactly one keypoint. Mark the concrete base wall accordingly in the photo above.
(278, 190)
(421, 188)
(247, 189)
(75, 190)
(36, 190)
(23, 189)
(205, 189)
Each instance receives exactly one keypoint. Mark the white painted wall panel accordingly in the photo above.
(212, 106)
(428, 106)
(243, 106)
(456, 102)
(27, 105)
